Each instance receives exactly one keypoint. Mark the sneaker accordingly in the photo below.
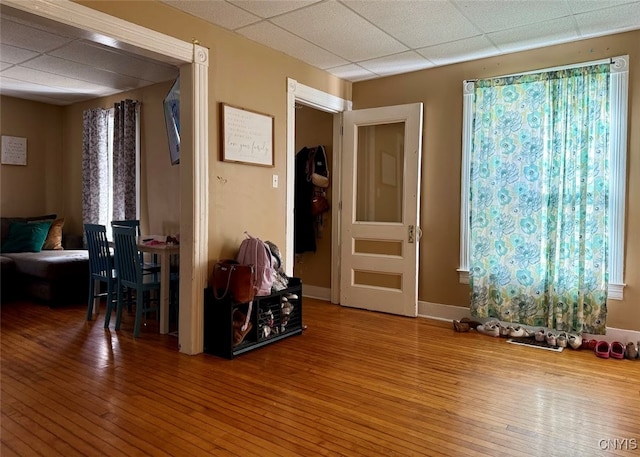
(550, 338)
(631, 351)
(575, 341)
(540, 335)
(489, 328)
(516, 332)
(561, 340)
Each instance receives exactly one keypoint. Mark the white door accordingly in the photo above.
(382, 148)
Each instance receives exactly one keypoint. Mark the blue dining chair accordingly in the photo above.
(101, 269)
(152, 267)
(132, 277)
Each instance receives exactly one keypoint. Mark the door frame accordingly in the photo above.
(193, 60)
(323, 101)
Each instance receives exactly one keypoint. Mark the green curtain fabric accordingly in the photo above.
(539, 199)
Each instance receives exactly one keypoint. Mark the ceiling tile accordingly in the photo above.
(13, 54)
(89, 73)
(47, 79)
(41, 93)
(277, 38)
(23, 36)
(5, 65)
(352, 72)
(493, 15)
(417, 23)
(457, 51)
(271, 8)
(609, 20)
(112, 60)
(397, 63)
(216, 12)
(535, 35)
(339, 30)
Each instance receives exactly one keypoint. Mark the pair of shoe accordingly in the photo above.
(465, 324)
(605, 350)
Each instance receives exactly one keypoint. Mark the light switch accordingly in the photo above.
(275, 181)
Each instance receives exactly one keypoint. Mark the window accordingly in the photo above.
(110, 164)
(618, 100)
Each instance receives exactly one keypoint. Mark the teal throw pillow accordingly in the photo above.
(26, 236)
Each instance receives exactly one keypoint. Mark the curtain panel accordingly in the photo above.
(539, 199)
(95, 166)
(124, 160)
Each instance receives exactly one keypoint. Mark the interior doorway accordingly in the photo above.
(313, 128)
(313, 99)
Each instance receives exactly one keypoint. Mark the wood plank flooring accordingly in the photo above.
(355, 383)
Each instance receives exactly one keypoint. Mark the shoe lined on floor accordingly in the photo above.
(460, 326)
(550, 338)
(562, 340)
(516, 332)
(472, 323)
(603, 349)
(540, 335)
(489, 328)
(617, 350)
(631, 351)
(575, 341)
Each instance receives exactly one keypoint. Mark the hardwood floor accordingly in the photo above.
(355, 383)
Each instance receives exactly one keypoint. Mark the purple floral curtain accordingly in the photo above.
(95, 166)
(124, 160)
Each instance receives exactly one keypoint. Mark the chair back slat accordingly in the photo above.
(100, 259)
(127, 256)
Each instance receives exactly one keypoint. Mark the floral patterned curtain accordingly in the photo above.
(124, 160)
(539, 199)
(95, 166)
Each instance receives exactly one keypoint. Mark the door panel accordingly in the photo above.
(380, 204)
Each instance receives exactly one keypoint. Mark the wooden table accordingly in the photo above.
(164, 251)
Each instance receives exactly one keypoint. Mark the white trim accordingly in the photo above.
(321, 293)
(619, 84)
(468, 88)
(109, 30)
(618, 101)
(113, 31)
(299, 93)
(194, 208)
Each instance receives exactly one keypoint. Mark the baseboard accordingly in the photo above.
(441, 312)
(321, 293)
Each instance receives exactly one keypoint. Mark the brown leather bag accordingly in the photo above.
(229, 277)
(319, 204)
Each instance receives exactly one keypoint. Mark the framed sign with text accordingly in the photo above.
(247, 136)
(14, 150)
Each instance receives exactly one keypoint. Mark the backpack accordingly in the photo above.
(254, 251)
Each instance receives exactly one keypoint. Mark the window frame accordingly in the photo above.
(619, 98)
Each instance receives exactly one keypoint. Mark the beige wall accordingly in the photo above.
(440, 89)
(244, 74)
(37, 188)
(313, 128)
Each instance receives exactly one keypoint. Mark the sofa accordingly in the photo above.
(39, 262)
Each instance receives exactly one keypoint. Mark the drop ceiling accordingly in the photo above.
(353, 39)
